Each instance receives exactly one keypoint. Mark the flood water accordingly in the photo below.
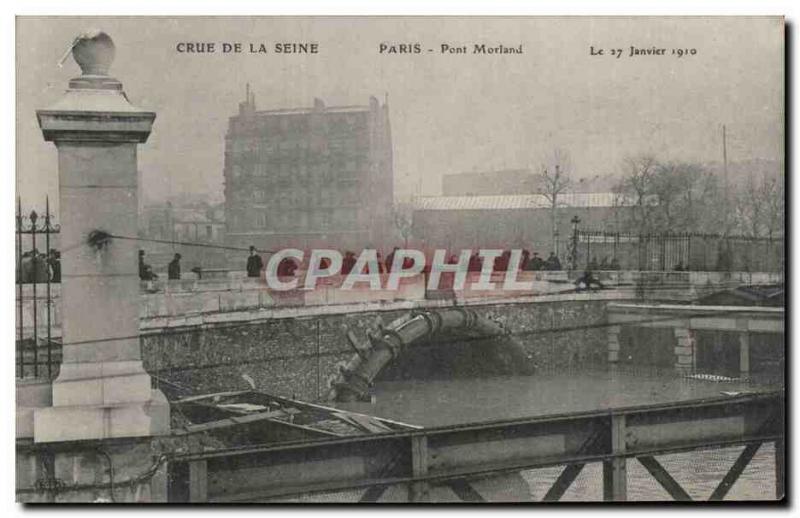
(447, 402)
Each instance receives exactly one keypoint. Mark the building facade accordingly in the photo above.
(504, 182)
(512, 221)
(308, 177)
(196, 231)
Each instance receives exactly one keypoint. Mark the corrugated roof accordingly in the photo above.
(516, 201)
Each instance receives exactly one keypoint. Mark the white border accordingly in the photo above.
(790, 8)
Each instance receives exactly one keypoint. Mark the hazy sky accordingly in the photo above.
(449, 113)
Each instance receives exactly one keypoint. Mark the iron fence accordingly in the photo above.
(36, 273)
(602, 250)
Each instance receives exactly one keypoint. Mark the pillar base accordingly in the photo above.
(109, 383)
(88, 422)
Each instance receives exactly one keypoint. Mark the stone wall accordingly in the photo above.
(234, 292)
(126, 471)
(297, 356)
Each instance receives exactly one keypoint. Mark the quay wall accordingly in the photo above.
(297, 353)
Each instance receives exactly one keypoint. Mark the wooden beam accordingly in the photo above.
(562, 483)
(733, 474)
(373, 493)
(780, 469)
(418, 491)
(198, 481)
(465, 491)
(663, 477)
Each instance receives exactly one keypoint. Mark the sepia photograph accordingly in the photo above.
(400, 259)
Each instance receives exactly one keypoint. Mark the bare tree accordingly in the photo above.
(554, 179)
(760, 207)
(635, 191)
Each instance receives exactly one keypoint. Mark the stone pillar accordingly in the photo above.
(103, 390)
(684, 350)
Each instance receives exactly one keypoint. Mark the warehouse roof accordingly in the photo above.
(517, 201)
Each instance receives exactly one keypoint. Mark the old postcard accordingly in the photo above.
(400, 259)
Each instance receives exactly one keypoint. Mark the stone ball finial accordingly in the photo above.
(94, 51)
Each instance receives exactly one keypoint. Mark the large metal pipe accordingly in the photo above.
(356, 377)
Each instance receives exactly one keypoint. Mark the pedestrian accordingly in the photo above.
(146, 272)
(26, 272)
(552, 263)
(526, 257)
(390, 258)
(174, 268)
(501, 261)
(254, 263)
(286, 267)
(536, 263)
(54, 262)
(348, 262)
(475, 263)
(381, 264)
(586, 281)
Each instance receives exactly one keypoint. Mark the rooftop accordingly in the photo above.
(516, 201)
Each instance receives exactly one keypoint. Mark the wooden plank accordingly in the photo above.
(373, 494)
(198, 481)
(744, 354)
(201, 397)
(780, 470)
(418, 491)
(464, 490)
(663, 477)
(733, 474)
(562, 483)
(228, 422)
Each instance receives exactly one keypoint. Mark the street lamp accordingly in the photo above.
(573, 259)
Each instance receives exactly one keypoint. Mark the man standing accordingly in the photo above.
(254, 263)
(174, 268)
(54, 261)
(536, 263)
(145, 270)
(552, 263)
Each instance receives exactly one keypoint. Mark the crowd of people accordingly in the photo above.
(36, 267)
(605, 264)
(146, 272)
(529, 262)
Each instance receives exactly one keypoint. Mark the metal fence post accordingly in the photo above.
(35, 263)
(20, 350)
(37, 271)
(615, 471)
(49, 301)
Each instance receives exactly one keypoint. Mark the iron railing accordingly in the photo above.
(36, 349)
(602, 250)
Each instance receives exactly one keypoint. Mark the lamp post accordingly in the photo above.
(573, 258)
